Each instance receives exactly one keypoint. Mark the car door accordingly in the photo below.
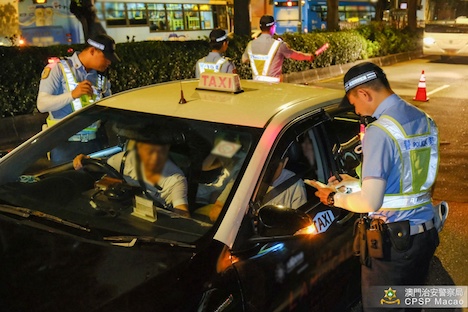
(303, 272)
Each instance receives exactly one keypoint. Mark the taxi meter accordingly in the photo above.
(220, 82)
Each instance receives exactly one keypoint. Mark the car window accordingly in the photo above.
(143, 169)
(297, 156)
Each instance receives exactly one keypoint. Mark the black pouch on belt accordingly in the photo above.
(375, 239)
(360, 243)
(400, 235)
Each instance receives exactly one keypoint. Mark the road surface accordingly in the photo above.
(447, 89)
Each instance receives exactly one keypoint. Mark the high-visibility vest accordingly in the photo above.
(260, 63)
(211, 67)
(419, 161)
(71, 82)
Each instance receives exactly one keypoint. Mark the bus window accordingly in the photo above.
(174, 16)
(192, 16)
(157, 17)
(115, 13)
(137, 14)
(220, 16)
(206, 16)
(99, 11)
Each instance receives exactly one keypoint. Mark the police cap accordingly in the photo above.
(359, 75)
(218, 35)
(267, 21)
(106, 44)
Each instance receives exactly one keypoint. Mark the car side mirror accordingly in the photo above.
(280, 221)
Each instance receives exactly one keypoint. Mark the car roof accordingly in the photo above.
(254, 107)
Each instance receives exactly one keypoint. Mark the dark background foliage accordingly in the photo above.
(145, 63)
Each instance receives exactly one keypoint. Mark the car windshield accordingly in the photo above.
(139, 174)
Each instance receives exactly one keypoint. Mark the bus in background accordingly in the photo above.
(446, 28)
(49, 22)
(157, 20)
(314, 14)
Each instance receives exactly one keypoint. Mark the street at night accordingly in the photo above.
(233, 156)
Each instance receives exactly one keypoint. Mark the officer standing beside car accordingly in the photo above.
(266, 54)
(400, 161)
(215, 62)
(71, 83)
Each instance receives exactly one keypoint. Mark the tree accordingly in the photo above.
(332, 15)
(242, 17)
(380, 7)
(85, 12)
(412, 20)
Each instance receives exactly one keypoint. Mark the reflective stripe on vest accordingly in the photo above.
(419, 160)
(210, 67)
(71, 83)
(261, 63)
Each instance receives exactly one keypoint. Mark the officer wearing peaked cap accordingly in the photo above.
(400, 161)
(71, 83)
(266, 54)
(215, 62)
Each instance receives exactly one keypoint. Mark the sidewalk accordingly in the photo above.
(311, 75)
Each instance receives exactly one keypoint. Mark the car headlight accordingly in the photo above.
(429, 41)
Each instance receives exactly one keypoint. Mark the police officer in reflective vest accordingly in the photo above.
(266, 54)
(215, 62)
(71, 83)
(399, 168)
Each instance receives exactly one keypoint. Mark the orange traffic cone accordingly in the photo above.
(421, 93)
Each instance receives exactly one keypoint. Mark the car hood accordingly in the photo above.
(44, 270)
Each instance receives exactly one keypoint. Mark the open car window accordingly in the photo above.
(300, 154)
(203, 161)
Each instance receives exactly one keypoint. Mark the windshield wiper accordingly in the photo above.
(130, 241)
(26, 213)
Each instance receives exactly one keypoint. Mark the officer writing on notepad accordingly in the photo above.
(72, 83)
(400, 161)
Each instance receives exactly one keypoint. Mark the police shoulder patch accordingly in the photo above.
(45, 73)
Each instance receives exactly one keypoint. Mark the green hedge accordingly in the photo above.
(145, 63)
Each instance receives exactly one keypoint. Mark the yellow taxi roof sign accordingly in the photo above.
(220, 82)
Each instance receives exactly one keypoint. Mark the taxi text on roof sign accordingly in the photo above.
(220, 82)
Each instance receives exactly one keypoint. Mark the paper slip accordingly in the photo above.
(144, 209)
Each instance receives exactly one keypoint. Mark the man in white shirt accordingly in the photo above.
(165, 183)
(293, 197)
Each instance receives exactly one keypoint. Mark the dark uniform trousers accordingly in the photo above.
(399, 268)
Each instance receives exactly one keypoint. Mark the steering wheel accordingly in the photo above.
(102, 166)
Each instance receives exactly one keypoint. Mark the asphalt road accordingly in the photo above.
(447, 89)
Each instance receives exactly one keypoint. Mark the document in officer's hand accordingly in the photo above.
(317, 184)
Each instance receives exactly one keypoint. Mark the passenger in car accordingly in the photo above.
(149, 166)
(293, 196)
(226, 166)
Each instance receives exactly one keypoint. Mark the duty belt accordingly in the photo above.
(420, 228)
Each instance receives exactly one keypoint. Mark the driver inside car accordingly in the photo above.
(149, 166)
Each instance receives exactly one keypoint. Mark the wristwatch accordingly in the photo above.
(330, 199)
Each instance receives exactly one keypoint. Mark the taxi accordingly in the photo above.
(255, 238)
